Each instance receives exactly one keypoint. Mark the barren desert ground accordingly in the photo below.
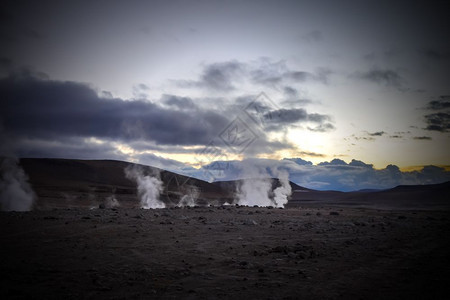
(306, 252)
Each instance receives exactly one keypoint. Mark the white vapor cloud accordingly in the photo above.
(149, 187)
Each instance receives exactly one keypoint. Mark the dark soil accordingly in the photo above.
(225, 252)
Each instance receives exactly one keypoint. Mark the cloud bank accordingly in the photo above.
(332, 175)
(50, 118)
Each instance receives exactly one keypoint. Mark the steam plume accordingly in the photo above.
(111, 202)
(15, 191)
(190, 196)
(256, 188)
(255, 191)
(282, 192)
(149, 187)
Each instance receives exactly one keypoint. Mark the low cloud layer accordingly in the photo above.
(335, 174)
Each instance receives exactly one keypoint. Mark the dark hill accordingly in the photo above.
(433, 196)
(88, 183)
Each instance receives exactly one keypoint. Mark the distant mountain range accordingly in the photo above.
(65, 183)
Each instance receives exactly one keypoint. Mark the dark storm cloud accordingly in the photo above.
(67, 119)
(217, 76)
(385, 77)
(220, 76)
(276, 119)
(287, 116)
(378, 133)
(46, 109)
(371, 136)
(442, 103)
(438, 122)
(178, 102)
(425, 138)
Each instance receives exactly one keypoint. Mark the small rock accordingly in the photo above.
(334, 213)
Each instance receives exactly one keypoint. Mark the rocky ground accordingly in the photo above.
(225, 252)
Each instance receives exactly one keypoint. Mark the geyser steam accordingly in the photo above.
(282, 192)
(190, 196)
(255, 191)
(256, 188)
(16, 193)
(149, 187)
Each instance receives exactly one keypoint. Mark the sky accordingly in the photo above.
(320, 88)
